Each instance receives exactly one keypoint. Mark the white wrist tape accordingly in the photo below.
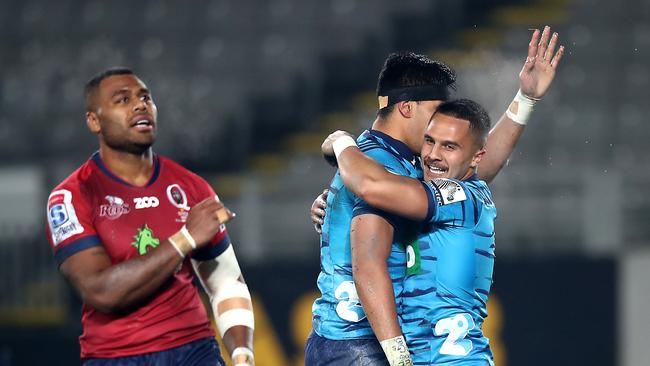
(242, 356)
(183, 242)
(189, 237)
(396, 351)
(342, 143)
(521, 108)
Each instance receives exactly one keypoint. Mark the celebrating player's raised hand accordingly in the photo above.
(539, 69)
(205, 219)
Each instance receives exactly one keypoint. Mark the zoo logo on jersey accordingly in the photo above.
(146, 202)
(115, 208)
(61, 216)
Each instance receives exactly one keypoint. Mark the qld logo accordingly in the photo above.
(114, 209)
(178, 199)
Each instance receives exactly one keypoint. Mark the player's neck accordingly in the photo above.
(132, 168)
(391, 128)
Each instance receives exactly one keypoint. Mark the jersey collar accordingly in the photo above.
(156, 170)
(401, 148)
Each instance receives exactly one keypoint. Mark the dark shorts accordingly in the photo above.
(321, 351)
(202, 352)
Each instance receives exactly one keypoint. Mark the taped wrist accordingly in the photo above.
(396, 351)
(341, 144)
(242, 356)
(183, 242)
(521, 108)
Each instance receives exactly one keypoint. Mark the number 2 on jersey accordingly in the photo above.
(349, 308)
(457, 327)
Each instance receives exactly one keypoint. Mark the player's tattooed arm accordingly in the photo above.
(317, 211)
(535, 79)
(114, 288)
(371, 182)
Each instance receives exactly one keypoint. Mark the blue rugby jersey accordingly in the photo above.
(450, 274)
(338, 314)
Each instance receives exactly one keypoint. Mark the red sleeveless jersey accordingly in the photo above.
(93, 207)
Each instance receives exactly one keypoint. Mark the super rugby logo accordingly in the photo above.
(115, 208)
(146, 202)
(62, 217)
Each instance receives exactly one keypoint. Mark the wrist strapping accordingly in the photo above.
(521, 108)
(183, 242)
(242, 356)
(396, 351)
(341, 144)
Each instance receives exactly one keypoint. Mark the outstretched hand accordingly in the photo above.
(539, 69)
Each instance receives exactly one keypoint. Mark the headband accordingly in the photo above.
(414, 93)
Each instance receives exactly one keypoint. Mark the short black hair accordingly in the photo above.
(93, 83)
(408, 69)
(469, 110)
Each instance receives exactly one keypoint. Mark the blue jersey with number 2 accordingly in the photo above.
(449, 276)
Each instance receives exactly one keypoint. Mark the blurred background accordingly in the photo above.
(247, 90)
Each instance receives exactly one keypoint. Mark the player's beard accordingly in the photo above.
(124, 144)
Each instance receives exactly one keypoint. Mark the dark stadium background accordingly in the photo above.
(246, 92)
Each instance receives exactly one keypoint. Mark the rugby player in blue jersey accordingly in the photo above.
(363, 255)
(445, 297)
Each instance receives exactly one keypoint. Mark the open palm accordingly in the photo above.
(539, 69)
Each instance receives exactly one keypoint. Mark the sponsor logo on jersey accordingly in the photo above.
(447, 191)
(413, 259)
(178, 199)
(62, 217)
(146, 202)
(115, 208)
(144, 240)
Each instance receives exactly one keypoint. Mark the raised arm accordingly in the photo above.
(112, 288)
(367, 179)
(535, 78)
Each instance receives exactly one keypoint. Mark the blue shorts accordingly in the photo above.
(321, 351)
(202, 352)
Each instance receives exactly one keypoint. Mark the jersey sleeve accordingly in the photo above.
(449, 202)
(221, 241)
(393, 165)
(70, 226)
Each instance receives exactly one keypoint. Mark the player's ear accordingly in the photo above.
(477, 158)
(92, 122)
(405, 108)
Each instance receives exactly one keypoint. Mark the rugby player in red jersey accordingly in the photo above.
(130, 229)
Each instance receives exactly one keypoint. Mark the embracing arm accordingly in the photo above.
(231, 304)
(370, 181)
(535, 78)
